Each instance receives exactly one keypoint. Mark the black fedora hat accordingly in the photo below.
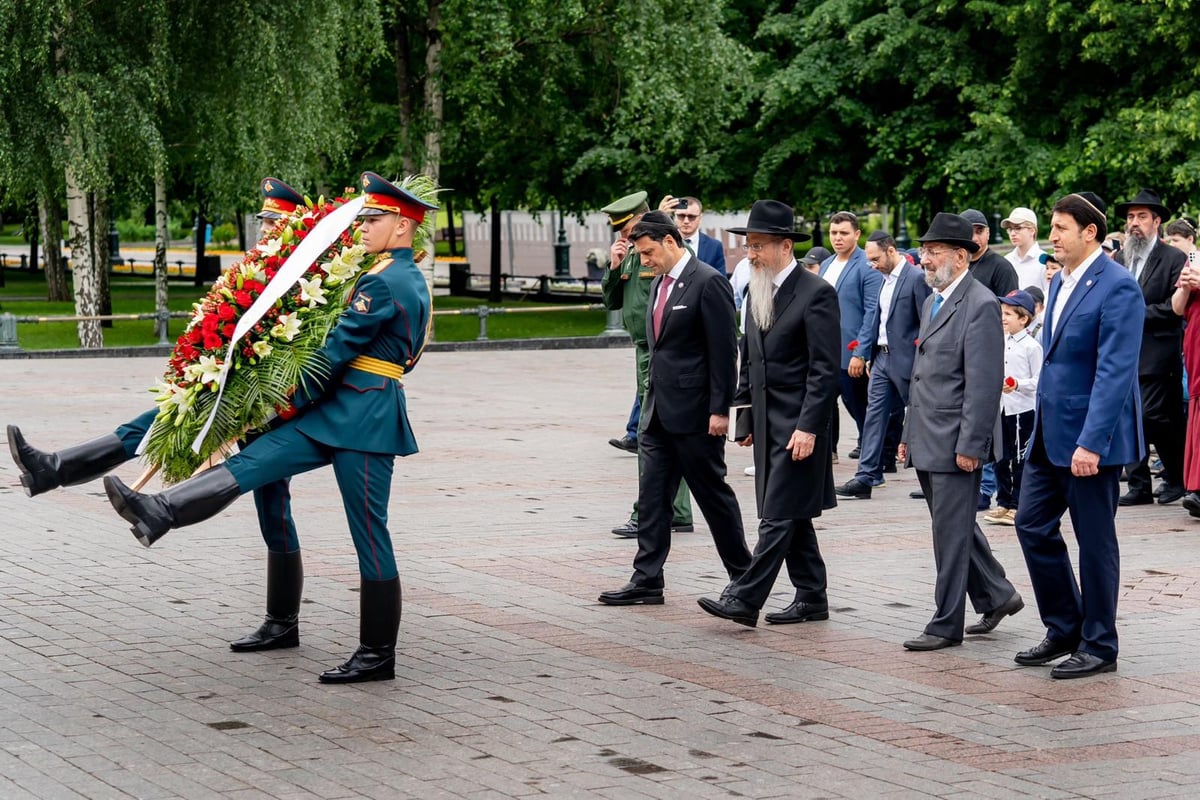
(774, 218)
(1147, 198)
(951, 229)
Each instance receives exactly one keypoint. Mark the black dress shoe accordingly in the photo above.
(889, 468)
(927, 641)
(632, 594)
(626, 531)
(917, 495)
(731, 608)
(1082, 664)
(367, 664)
(988, 622)
(798, 612)
(682, 527)
(624, 443)
(1045, 652)
(1191, 503)
(1170, 494)
(1134, 498)
(854, 488)
(273, 634)
(855, 453)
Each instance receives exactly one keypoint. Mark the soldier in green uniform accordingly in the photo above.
(355, 420)
(626, 287)
(44, 471)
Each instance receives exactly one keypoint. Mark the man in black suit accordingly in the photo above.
(685, 415)
(894, 324)
(1156, 267)
(790, 376)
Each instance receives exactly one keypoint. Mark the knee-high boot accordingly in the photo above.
(42, 471)
(281, 628)
(186, 503)
(379, 626)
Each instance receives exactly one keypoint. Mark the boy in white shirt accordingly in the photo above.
(1022, 364)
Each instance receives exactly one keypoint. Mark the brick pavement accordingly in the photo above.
(116, 680)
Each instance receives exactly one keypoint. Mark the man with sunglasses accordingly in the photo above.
(688, 211)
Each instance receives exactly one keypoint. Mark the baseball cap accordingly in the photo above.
(1022, 299)
(975, 217)
(1019, 216)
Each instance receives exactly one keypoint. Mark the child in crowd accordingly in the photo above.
(1022, 364)
(1039, 312)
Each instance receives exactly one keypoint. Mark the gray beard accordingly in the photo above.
(1136, 250)
(762, 298)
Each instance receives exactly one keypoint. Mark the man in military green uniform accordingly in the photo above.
(378, 340)
(44, 471)
(626, 287)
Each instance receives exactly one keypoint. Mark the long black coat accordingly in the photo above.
(1162, 336)
(790, 377)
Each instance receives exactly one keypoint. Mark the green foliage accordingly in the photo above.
(224, 233)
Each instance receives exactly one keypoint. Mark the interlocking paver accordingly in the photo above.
(512, 681)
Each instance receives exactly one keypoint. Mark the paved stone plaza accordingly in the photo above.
(116, 679)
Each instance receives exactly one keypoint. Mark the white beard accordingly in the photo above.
(1136, 250)
(762, 298)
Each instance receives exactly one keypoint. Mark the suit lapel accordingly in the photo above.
(949, 306)
(1153, 260)
(851, 265)
(1077, 294)
(679, 291)
(786, 292)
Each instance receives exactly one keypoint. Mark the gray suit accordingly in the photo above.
(954, 403)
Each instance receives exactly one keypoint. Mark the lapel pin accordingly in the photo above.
(1089, 283)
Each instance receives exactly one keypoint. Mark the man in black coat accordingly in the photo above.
(790, 376)
(987, 266)
(1156, 266)
(685, 415)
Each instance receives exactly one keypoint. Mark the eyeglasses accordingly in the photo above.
(929, 252)
(687, 217)
(758, 247)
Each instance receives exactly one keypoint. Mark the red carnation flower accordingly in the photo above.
(227, 331)
(853, 345)
(273, 262)
(194, 336)
(243, 299)
(213, 342)
(226, 312)
(209, 324)
(253, 286)
(1010, 382)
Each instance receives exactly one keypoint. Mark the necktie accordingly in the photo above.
(663, 292)
(937, 304)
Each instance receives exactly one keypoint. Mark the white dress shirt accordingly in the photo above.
(1030, 271)
(675, 272)
(886, 293)
(949, 290)
(1022, 363)
(1069, 282)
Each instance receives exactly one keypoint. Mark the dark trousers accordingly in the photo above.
(961, 553)
(1083, 611)
(854, 397)
(883, 401)
(668, 458)
(635, 416)
(783, 540)
(364, 480)
(273, 500)
(1017, 428)
(1165, 423)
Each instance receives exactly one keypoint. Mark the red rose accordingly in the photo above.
(189, 353)
(213, 342)
(209, 324)
(852, 346)
(226, 312)
(1010, 382)
(253, 286)
(273, 262)
(243, 299)
(227, 331)
(194, 336)
(286, 412)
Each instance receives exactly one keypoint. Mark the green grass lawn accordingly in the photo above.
(22, 295)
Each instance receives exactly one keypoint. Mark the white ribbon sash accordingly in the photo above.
(316, 242)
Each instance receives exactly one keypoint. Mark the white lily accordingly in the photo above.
(207, 371)
(262, 349)
(311, 292)
(345, 264)
(270, 247)
(287, 327)
(170, 394)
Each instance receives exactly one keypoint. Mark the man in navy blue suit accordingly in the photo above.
(892, 346)
(858, 288)
(688, 212)
(1087, 426)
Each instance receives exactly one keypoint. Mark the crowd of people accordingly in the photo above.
(1036, 378)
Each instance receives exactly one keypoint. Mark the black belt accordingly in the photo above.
(883, 348)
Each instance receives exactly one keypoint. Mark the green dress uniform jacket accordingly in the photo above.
(627, 289)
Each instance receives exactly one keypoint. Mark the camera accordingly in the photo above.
(683, 203)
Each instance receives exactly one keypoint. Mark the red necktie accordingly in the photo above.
(663, 291)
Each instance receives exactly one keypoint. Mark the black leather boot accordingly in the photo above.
(41, 471)
(285, 582)
(186, 503)
(379, 625)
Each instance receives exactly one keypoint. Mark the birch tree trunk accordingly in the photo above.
(433, 105)
(50, 223)
(162, 236)
(80, 232)
(101, 212)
